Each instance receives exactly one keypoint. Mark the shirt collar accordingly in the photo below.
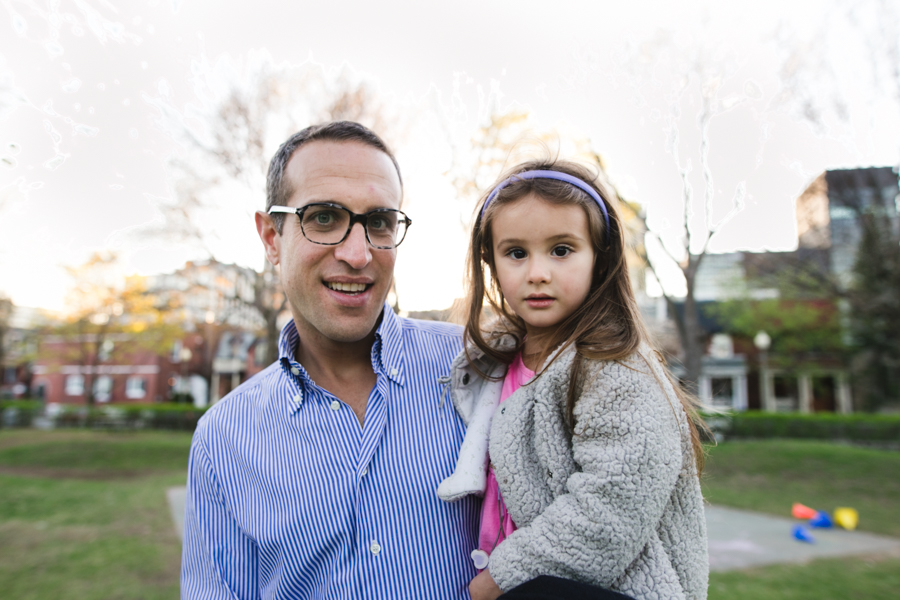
(387, 350)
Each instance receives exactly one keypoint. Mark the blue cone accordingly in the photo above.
(821, 520)
(803, 535)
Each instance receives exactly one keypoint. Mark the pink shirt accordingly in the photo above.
(496, 524)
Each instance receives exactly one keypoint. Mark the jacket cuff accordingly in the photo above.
(506, 571)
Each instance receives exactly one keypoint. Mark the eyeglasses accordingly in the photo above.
(330, 224)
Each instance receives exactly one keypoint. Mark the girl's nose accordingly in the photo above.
(538, 271)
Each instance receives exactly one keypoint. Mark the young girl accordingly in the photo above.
(586, 454)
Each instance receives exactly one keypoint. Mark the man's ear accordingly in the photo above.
(269, 236)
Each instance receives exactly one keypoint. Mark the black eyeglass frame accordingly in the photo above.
(362, 219)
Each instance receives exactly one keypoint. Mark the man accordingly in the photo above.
(316, 478)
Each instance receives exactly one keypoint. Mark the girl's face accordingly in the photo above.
(543, 260)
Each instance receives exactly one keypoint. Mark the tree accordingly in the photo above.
(801, 329)
(108, 319)
(818, 88)
(6, 309)
(875, 302)
(698, 78)
(227, 145)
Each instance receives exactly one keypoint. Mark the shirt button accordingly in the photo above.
(365, 471)
(297, 398)
(393, 372)
(374, 548)
(335, 405)
(295, 370)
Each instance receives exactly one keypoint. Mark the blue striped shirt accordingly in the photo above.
(288, 497)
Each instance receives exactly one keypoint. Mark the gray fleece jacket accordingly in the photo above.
(617, 503)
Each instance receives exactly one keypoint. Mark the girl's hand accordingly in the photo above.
(483, 587)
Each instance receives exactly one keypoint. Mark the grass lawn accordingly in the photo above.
(768, 476)
(83, 514)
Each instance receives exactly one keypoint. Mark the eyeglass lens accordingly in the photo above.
(330, 224)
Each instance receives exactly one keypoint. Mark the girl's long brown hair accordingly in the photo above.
(607, 326)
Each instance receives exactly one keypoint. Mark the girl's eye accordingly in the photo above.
(561, 251)
(516, 253)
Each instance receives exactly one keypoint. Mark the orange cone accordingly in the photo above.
(803, 512)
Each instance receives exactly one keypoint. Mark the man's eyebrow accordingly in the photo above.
(341, 204)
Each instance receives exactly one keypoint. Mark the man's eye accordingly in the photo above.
(561, 251)
(321, 218)
(376, 222)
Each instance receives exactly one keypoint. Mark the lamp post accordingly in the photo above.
(763, 342)
(184, 381)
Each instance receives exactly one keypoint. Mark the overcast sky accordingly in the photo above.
(800, 86)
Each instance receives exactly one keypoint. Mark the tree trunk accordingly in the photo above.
(692, 344)
(692, 335)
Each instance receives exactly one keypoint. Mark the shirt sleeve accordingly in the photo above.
(627, 443)
(218, 561)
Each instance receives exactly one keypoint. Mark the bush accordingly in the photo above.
(864, 428)
(19, 413)
(168, 415)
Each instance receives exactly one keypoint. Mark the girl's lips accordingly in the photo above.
(539, 302)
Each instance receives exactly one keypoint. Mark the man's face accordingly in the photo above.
(335, 292)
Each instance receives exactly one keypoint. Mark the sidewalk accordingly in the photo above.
(738, 539)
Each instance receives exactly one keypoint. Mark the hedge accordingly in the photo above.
(167, 415)
(857, 427)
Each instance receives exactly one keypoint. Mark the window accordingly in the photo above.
(103, 388)
(74, 385)
(722, 391)
(135, 387)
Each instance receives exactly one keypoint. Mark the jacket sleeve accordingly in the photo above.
(219, 561)
(627, 444)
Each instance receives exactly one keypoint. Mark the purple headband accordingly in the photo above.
(551, 175)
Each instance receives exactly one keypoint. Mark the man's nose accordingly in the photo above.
(354, 250)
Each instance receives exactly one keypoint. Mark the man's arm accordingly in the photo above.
(218, 560)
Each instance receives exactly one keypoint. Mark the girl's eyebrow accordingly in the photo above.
(552, 238)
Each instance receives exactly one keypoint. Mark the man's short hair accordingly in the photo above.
(278, 189)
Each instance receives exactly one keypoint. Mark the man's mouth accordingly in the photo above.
(348, 288)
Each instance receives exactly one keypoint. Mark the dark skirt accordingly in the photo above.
(546, 587)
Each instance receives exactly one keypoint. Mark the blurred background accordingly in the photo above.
(753, 148)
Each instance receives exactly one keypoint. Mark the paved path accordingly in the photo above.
(175, 496)
(738, 539)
